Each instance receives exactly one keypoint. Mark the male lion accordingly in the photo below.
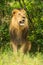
(18, 31)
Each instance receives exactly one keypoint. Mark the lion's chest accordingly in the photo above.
(19, 36)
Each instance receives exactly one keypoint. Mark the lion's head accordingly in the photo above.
(19, 18)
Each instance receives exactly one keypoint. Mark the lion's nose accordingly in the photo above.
(22, 21)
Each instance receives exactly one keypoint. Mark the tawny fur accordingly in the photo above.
(19, 33)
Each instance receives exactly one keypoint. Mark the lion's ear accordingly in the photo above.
(23, 10)
(13, 12)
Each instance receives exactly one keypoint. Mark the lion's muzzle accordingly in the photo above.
(21, 23)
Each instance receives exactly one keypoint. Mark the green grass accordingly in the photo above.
(9, 58)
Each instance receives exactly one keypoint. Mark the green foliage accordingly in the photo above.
(4, 36)
(35, 11)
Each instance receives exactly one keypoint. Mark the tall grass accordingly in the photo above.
(10, 58)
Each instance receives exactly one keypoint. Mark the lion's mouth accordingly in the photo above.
(21, 22)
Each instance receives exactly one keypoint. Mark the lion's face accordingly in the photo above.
(20, 16)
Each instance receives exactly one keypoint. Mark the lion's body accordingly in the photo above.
(18, 31)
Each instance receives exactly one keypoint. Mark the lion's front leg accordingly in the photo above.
(25, 47)
(22, 48)
(14, 46)
(28, 45)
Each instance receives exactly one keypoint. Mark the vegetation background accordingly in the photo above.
(34, 9)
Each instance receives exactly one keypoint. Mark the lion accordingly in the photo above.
(19, 31)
